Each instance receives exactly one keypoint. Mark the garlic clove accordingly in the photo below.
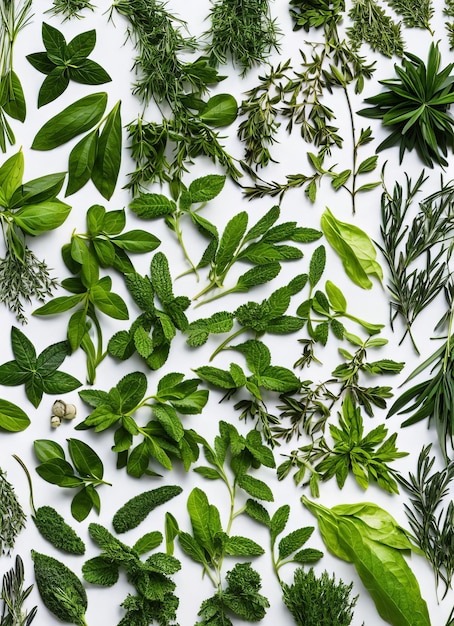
(55, 421)
(59, 408)
(70, 412)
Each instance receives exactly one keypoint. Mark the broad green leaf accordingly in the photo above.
(368, 165)
(35, 219)
(89, 72)
(199, 513)
(52, 357)
(136, 241)
(206, 188)
(12, 418)
(216, 377)
(100, 571)
(34, 389)
(169, 420)
(148, 542)
(37, 190)
(53, 86)
(131, 388)
(81, 162)
(336, 297)
(317, 265)
(208, 472)
(191, 547)
(258, 355)
(105, 251)
(86, 461)
(41, 62)
(12, 96)
(11, 374)
(258, 276)
(77, 328)
(294, 541)
(81, 45)
(242, 546)
(23, 349)
(152, 205)
(11, 174)
(81, 504)
(257, 511)
(220, 110)
(109, 303)
(74, 120)
(59, 472)
(58, 383)
(230, 240)
(138, 460)
(255, 488)
(54, 42)
(279, 521)
(108, 154)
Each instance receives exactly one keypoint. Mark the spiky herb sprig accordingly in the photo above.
(414, 108)
(70, 8)
(431, 524)
(12, 516)
(448, 11)
(415, 13)
(243, 30)
(13, 597)
(372, 25)
(413, 286)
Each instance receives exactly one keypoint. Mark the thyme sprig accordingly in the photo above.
(412, 285)
(242, 30)
(70, 8)
(432, 525)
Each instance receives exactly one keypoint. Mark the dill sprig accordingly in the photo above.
(22, 280)
(12, 517)
(373, 26)
(70, 8)
(242, 30)
(414, 285)
(433, 526)
(415, 13)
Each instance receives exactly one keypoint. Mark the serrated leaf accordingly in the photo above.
(255, 488)
(293, 541)
(317, 265)
(242, 546)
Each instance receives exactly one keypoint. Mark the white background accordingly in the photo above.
(116, 57)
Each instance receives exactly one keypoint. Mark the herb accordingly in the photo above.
(372, 25)
(163, 151)
(13, 596)
(267, 316)
(309, 14)
(244, 31)
(261, 245)
(98, 155)
(162, 323)
(163, 437)
(14, 16)
(309, 413)
(70, 8)
(85, 474)
(51, 525)
(415, 107)
(240, 597)
(448, 11)
(432, 526)
(190, 202)
(154, 598)
(432, 398)
(210, 541)
(103, 245)
(12, 516)
(415, 14)
(366, 456)
(264, 378)
(355, 249)
(319, 601)
(60, 589)
(30, 208)
(413, 286)
(62, 62)
(12, 418)
(39, 373)
(367, 536)
(135, 510)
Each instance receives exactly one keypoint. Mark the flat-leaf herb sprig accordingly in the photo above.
(62, 62)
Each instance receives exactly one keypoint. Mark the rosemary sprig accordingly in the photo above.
(23, 281)
(372, 25)
(448, 11)
(412, 285)
(433, 526)
(13, 596)
(12, 517)
(242, 30)
(415, 13)
(70, 8)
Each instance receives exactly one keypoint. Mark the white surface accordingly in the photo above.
(372, 305)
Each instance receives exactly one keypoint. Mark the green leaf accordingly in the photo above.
(81, 504)
(136, 241)
(216, 377)
(279, 521)
(46, 449)
(152, 205)
(148, 542)
(81, 45)
(206, 188)
(37, 190)
(54, 42)
(100, 571)
(258, 276)
(255, 488)
(169, 420)
(336, 297)
(12, 96)
(108, 155)
(41, 62)
(23, 349)
(208, 472)
(138, 460)
(258, 355)
(89, 72)
(317, 265)
(12, 418)
(75, 119)
(35, 219)
(81, 162)
(109, 303)
(294, 541)
(86, 461)
(220, 110)
(242, 546)
(230, 240)
(53, 86)
(199, 513)
(11, 174)
(368, 165)
(258, 512)
(131, 390)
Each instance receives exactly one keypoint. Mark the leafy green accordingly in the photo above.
(39, 373)
(62, 62)
(136, 509)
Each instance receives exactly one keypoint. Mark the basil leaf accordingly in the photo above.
(11, 174)
(89, 72)
(85, 459)
(108, 156)
(220, 110)
(41, 217)
(12, 418)
(12, 96)
(136, 241)
(109, 303)
(54, 42)
(37, 190)
(81, 161)
(53, 86)
(46, 449)
(59, 382)
(81, 504)
(81, 45)
(41, 62)
(75, 119)
(23, 349)
(206, 188)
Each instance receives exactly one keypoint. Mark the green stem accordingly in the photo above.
(355, 150)
(217, 296)
(179, 235)
(227, 341)
(29, 479)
